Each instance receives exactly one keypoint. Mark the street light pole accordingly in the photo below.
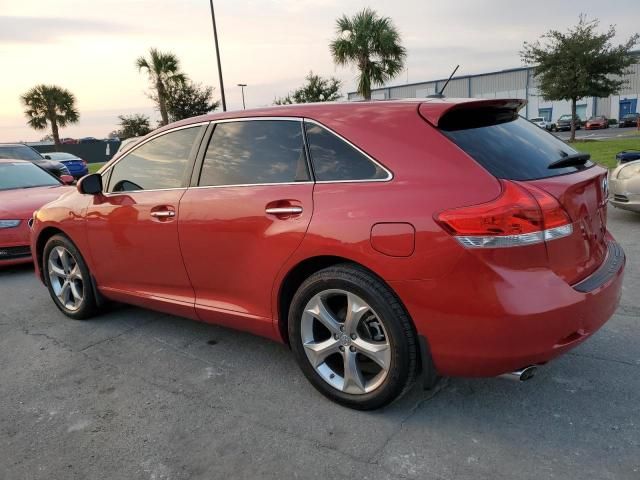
(242, 85)
(215, 40)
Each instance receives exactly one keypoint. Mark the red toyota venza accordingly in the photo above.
(383, 241)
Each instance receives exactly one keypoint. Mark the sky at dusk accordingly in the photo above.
(90, 47)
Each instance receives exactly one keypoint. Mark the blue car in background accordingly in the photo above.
(76, 165)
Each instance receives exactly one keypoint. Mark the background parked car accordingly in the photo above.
(68, 141)
(77, 166)
(629, 120)
(89, 140)
(564, 123)
(24, 187)
(624, 186)
(542, 123)
(595, 123)
(20, 151)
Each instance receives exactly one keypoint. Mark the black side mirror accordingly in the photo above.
(90, 184)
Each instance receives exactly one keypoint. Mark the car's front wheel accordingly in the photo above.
(352, 338)
(68, 278)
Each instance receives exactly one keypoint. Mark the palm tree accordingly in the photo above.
(372, 43)
(49, 104)
(163, 69)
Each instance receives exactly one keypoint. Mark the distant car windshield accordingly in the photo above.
(596, 118)
(24, 175)
(540, 119)
(19, 152)
(565, 117)
(631, 115)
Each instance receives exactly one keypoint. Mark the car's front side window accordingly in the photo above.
(255, 152)
(160, 163)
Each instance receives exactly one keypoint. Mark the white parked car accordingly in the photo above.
(624, 186)
(542, 123)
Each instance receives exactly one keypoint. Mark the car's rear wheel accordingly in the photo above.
(352, 338)
(68, 278)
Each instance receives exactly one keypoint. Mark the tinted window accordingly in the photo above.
(334, 159)
(260, 151)
(159, 163)
(24, 175)
(19, 152)
(507, 145)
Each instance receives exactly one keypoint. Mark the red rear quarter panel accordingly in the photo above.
(430, 174)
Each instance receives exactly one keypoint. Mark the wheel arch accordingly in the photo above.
(43, 237)
(303, 270)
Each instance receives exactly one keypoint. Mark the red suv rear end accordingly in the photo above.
(381, 240)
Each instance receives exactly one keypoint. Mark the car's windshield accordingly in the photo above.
(19, 152)
(538, 119)
(631, 115)
(596, 118)
(24, 175)
(565, 117)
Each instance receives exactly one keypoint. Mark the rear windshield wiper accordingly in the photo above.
(574, 160)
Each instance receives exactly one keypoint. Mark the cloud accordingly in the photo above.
(51, 29)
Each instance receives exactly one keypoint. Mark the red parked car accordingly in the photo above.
(596, 123)
(380, 240)
(24, 187)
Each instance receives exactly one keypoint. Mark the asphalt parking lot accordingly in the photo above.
(140, 395)
(604, 134)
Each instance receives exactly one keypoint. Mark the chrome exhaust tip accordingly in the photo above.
(522, 375)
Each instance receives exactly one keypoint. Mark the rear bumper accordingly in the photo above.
(496, 321)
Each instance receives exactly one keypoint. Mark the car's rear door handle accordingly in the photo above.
(163, 214)
(293, 210)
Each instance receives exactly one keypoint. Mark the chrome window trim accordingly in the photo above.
(138, 145)
(252, 185)
(126, 192)
(389, 172)
(301, 120)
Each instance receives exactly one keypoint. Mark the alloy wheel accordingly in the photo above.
(66, 278)
(345, 341)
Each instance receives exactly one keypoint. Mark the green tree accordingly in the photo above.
(315, 89)
(50, 105)
(163, 69)
(373, 44)
(135, 125)
(579, 63)
(187, 99)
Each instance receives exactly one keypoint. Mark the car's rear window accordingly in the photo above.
(507, 145)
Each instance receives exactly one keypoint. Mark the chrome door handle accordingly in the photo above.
(283, 210)
(163, 214)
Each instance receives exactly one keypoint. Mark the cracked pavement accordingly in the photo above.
(136, 394)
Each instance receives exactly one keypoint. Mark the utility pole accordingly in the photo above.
(242, 85)
(215, 40)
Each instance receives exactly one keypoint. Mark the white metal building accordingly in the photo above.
(519, 83)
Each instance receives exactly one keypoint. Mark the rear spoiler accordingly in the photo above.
(433, 111)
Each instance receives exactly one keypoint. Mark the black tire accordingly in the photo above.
(391, 314)
(88, 306)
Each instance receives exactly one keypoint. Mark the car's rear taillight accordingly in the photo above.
(521, 215)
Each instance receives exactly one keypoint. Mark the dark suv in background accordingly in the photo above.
(20, 151)
(564, 123)
(629, 120)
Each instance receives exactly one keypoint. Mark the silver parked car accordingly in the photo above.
(624, 186)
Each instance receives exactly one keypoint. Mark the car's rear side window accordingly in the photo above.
(333, 159)
(255, 152)
(507, 145)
